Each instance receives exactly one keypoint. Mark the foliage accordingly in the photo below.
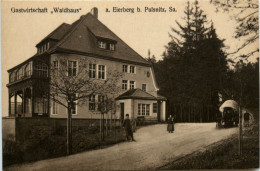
(192, 68)
(241, 84)
(245, 13)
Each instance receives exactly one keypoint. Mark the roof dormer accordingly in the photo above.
(44, 46)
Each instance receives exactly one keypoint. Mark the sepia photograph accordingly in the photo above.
(130, 85)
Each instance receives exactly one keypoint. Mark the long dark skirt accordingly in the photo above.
(170, 127)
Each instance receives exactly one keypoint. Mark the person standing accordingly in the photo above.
(128, 128)
(170, 124)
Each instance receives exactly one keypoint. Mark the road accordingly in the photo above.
(154, 147)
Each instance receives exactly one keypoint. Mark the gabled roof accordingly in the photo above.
(82, 37)
(136, 94)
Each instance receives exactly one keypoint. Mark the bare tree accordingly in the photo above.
(72, 83)
(245, 13)
(105, 105)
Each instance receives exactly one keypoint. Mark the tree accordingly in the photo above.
(192, 67)
(71, 84)
(245, 13)
(105, 104)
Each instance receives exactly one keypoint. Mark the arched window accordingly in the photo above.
(13, 76)
(41, 69)
(19, 73)
(28, 70)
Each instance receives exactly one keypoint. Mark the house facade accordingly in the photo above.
(85, 38)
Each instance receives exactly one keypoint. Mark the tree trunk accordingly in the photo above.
(100, 126)
(69, 133)
(103, 127)
(110, 127)
(106, 124)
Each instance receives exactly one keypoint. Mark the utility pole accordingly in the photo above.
(240, 130)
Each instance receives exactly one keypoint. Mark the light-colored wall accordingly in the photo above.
(128, 103)
(136, 102)
(140, 77)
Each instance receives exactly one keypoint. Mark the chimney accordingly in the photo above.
(94, 12)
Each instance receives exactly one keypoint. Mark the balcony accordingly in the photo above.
(31, 69)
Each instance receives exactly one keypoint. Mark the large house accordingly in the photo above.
(86, 37)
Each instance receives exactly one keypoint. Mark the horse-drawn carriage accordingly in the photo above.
(228, 115)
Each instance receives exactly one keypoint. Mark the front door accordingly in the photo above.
(122, 110)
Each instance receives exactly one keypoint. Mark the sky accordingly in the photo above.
(140, 30)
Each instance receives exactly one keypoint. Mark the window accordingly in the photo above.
(101, 99)
(92, 70)
(132, 69)
(13, 76)
(40, 105)
(54, 108)
(154, 107)
(41, 69)
(74, 108)
(101, 44)
(144, 109)
(101, 72)
(28, 70)
(132, 84)
(74, 105)
(124, 85)
(19, 74)
(144, 87)
(147, 109)
(124, 68)
(72, 68)
(56, 65)
(139, 109)
(111, 46)
(92, 105)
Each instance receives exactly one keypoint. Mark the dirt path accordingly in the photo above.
(154, 147)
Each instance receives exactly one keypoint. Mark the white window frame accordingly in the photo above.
(91, 70)
(112, 46)
(57, 108)
(147, 109)
(101, 72)
(143, 109)
(131, 84)
(145, 87)
(56, 67)
(102, 44)
(123, 68)
(89, 100)
(72, 67)
(139, 109)
(155, 104)
(123, 83)
(130, 71)
(76, 108)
